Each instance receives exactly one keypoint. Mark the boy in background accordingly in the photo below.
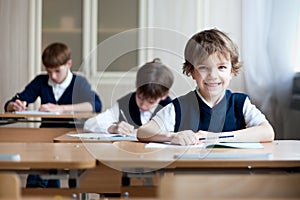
(59, 90)
(153, 82)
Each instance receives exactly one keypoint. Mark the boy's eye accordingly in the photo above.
(222, 67)
(201, 68)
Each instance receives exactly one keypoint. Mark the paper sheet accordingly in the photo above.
(169, 145)
(239, 145)
(211, 155)
(242, 145)
(35, 112)
(103, 136)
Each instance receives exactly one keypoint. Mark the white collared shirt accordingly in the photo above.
(59, 88)
(104, 120)
(165, 118)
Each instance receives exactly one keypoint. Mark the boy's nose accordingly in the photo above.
(53, 76)
(213, 72)
(144, 107)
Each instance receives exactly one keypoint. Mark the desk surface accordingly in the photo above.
(77, 115)
(120, 155)
(47, 156)
(10, 134)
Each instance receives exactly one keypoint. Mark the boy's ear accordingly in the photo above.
(69, 63)
(164, 97)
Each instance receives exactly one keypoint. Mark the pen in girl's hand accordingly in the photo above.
(222, 136)
(123, 115)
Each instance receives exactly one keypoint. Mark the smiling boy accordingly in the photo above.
(212, 59)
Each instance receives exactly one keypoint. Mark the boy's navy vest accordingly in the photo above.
(132, 112)
(193, 114)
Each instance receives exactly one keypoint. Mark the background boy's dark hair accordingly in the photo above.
(55, 55)
(154, 80)
(205, 43)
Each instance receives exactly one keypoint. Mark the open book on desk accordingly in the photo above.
(104, 136)
(216, 155)
(240, 145)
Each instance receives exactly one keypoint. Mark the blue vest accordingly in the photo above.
(131, 110)
(191, 113)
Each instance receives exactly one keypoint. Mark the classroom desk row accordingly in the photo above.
(128, 167)
(109, 162)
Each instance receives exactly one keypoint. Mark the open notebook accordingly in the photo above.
(241, 145)
(216, 155)
(104, 136)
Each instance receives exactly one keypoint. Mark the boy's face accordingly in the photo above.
(213, 76)
(146, 104)
(58, 74)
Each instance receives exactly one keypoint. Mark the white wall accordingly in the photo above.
(14, 15)
(226, 16)
(175, 21)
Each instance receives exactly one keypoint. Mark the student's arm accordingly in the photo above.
(27, 96)
(260, 133)
(103, 121)
(83, 93)
(151, 132)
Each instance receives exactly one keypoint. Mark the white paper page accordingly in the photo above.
(244, 145)
(239, 145)
(169, 145)
(104, 136)
(224, 155)
(36, 112)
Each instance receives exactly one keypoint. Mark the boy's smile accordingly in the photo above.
(213, 76)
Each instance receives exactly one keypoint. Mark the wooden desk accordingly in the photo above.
(31, 134)
(136, 161)
(283, 154)
(230, 186)
(69, 159)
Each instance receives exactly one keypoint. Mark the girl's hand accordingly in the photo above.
(121, 128)
(187, 137)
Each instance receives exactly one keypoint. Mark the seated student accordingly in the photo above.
(59, 90)
(153, 82)
(212, 59)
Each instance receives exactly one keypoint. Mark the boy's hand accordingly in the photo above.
(18, 105)
(187, 137)
(121, 128)
(50, 107)
(203, 134)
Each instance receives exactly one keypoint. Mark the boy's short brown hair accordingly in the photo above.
(56, 54)
(154, 80)
(206, 43)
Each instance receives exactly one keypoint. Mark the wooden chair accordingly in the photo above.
(231, 186)
(10, 186)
